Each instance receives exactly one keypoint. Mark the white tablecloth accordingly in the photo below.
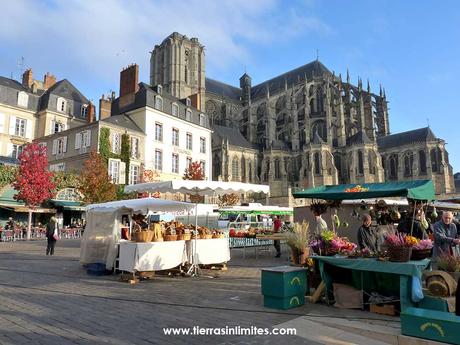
(151, 256)
(213, 251)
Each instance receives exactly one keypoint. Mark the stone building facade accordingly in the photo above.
(304, 128)
(36, 108)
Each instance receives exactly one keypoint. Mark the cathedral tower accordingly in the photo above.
(178, 65)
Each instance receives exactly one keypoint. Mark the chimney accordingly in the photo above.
(27, 78)
(129, 80)
(105, 106)
(48, 80)
(91, 114)
(196, 100)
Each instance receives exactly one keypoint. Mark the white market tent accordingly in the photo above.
(198, 187)
(103, 221)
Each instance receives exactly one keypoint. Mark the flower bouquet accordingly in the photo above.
(330, 244)
(400, 247)
(422, 249)
(297, 239)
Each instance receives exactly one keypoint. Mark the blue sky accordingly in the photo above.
(411, 47)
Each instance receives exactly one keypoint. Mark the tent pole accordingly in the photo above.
(413, 217)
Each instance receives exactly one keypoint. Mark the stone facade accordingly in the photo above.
(33, 109)
(305, 128)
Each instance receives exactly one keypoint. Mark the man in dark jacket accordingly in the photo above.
(417, 230)
(51, 229)
(368, 237)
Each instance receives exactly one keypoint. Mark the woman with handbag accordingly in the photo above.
(52, 235)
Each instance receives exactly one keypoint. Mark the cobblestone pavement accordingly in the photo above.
(51, 300)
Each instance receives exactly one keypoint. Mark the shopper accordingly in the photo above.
(445, 235)
(51, 235)
(277, 223)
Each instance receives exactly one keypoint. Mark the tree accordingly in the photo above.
(95, 183)
(33, 182)
(194, 172)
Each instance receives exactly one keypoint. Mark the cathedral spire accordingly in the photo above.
(348, 76)
(380, 93)
(360, 84)
(384, 94)
(368, 86)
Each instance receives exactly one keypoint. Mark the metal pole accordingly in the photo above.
(413, 218)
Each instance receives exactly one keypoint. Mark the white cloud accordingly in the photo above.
(100, 37)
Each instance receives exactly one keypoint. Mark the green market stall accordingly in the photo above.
(415, 321)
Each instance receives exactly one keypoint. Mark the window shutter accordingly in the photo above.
(78, 140)
(12, 124)
(9, 150)
(54, 146)
(2, 122)
(52, 127)
(88, 138)
(113, 142)
(64, 144)
(29, 129)
(122, 173)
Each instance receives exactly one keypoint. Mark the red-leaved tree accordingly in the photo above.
(194, 172)
(34, 182)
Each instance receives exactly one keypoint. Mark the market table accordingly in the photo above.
(151, 256)
(410, 273)
(211, 251)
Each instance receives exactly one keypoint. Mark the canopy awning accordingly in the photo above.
(256, 210)
(198, 187)
(144, 206)
(416, 189)
(69, 205)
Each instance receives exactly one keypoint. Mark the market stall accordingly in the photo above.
(151, 256)
(104, 223)
(415, 320)
(198, 188)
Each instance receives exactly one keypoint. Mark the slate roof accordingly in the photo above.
(420, 135)
(223, 89)
(359, 138)
(14, 84)
(234, 136)
(65, 88)
(292, 77)
(123, 121)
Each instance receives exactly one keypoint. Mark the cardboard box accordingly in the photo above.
(384, 309)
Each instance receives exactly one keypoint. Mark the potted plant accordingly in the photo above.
(328, 244)
(297, 239)
(450, 264)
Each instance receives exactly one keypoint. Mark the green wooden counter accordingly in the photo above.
(400, 278)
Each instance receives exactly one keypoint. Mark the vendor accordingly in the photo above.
(418, 229)
(321, 224)
(368, 237)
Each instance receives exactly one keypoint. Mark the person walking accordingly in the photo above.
(51, 235)
(277, 223)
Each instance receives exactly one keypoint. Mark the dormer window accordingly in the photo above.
(188, 115)
(203, 120)
(84, 110)
(175, 109)
(188, 102)
(158, 103)
(159, 89)
(61, 105)
(23, 99)
(57, 127)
